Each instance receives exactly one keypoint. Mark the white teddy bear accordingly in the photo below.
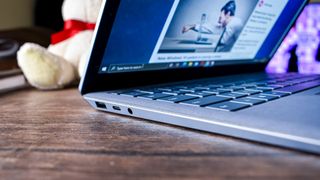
(63, 61)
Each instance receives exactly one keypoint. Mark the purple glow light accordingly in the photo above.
(305, 34)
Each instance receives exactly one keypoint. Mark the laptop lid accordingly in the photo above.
(153, 41)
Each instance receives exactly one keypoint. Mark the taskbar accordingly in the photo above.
(122, 68)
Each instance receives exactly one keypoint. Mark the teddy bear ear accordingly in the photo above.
(83, 10)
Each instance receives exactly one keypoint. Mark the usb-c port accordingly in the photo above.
(117, 108)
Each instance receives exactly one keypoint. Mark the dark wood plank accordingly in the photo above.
(56, 135)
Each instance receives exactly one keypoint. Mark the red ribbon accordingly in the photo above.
(71, 28)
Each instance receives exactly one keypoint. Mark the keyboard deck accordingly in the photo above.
(230, 95)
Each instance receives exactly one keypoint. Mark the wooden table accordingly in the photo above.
(56, 135)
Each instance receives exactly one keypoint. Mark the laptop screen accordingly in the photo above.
(157, 35)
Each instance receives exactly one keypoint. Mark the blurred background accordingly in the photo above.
(26, 21)
(35, 20)
(28, 13)
(300, 51)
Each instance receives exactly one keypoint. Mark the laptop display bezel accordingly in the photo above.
(94, 81)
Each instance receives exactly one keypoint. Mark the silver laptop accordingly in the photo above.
(201, 65)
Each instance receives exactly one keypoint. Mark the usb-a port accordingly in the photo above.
(101, 105)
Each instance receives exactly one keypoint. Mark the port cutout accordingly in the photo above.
(130, 111)
(101, 105)
(117, 108)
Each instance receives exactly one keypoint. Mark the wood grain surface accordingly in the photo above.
(56, 135)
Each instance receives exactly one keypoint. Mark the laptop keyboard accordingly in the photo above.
(228, 96)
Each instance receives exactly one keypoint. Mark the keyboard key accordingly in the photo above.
(271, 82)
(275, 93)
(214, 86)
(228, 84)
(293, 82)
(205, 101)
(228, 106)
(249, 101)
(132, 93)
(259, 84)
(200, 94)
(267, 87)
(191, 90)
(154, 96)
(264, 89)
(238, 83)
(232, 95)
(200, 88)
(258, 89)
(171, 88)
(148, 91)
(236, 88)
(176, 87)
(246, 86)
(282, 84)
(308, 79)
(217, 91)
(176, 99)
(173, 93)
(231, 88)
(263, 97)
(275, 86)
(300, 87)
(247, 92)
(164, 89)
